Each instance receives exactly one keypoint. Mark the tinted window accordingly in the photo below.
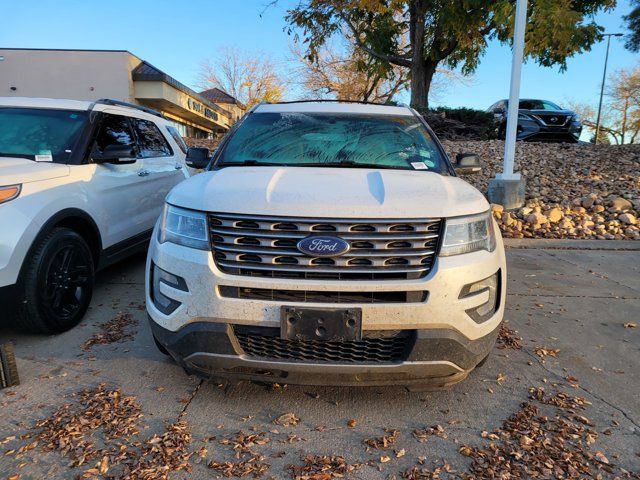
(538, 105)
(178, 138)
(50, 134)
(152, 142)
(114, 130)
(333, 140)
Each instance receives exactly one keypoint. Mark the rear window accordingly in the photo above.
(333, 139)
(152, 142)
(173, 131)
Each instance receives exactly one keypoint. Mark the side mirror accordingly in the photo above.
(115, 153)
(467, 163)
(197, 157)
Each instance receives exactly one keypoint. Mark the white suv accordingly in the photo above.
(81, 186)
(328, 243)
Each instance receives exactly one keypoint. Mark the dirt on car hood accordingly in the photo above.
(329, 192)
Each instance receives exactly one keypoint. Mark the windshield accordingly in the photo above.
(538, 105)
(40, 134)
(333, 139)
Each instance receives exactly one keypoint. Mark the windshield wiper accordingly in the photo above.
(250, 163)
(348, 164)
(26, 156)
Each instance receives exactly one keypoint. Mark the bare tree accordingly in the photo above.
(250, 78)
(344, 72)
(341, 73)
(620, 117)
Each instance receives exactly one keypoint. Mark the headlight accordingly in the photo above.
(522, 116)
(468, 234)
(184, 227)
(9, 192)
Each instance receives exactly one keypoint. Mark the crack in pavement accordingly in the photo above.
(593, 272)
(193, 395)
(584, 389)
(549, 295)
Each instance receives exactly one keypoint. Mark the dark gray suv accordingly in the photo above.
(539, 120)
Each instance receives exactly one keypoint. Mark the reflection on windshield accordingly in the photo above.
(40, 134)
(332, 139)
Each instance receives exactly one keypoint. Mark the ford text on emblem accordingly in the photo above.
(323, 246)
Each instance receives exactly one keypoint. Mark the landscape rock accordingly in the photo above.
(628, 219)
(620, 205)
(583, 191)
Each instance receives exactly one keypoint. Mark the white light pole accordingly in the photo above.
(514, 93)
(507, 188)
(604, 79)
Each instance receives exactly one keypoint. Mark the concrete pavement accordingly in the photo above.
(559, 297)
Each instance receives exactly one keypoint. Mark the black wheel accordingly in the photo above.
(163, 350)
(57, 284)
(8, 368)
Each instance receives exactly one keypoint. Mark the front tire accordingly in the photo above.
(57, 284)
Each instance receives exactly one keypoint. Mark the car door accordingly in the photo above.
(119, 193)
(165, 167)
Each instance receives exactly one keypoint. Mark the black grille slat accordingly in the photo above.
(375, 347)
(381, 249)
(321, 296)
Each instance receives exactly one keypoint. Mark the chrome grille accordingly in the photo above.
(375, 347)
(267, 246)
(553, 120)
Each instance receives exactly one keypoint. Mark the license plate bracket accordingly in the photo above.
(321, 324)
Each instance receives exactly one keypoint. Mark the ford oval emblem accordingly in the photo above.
(323, 246)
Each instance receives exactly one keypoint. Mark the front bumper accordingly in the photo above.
(17, 233)
(438, 357)
(531, 130)
(446, 344)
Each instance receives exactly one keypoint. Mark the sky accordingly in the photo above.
(178, 36)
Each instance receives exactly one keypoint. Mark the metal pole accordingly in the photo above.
(514, 93)
(604, 78)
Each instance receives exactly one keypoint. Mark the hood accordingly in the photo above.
(328, 192)
(21, 170)
(546, 112)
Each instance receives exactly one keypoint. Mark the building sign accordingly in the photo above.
(201, 109)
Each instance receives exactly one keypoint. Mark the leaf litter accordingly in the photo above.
(113, 331)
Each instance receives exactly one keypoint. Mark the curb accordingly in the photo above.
(557, 244)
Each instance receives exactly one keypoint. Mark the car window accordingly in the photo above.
(333, 140)
(152, 142)
(173, 131)
(114, 130)
(40, 133)
(538, 105)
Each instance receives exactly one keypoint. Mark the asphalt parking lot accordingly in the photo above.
(575, 310)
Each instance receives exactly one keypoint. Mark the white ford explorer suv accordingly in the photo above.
(328, 243)
(81, 185)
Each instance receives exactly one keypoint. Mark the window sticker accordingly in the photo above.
(419, 166)
(425, 153)
(44, 156)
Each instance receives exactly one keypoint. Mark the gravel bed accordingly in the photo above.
(579, 191)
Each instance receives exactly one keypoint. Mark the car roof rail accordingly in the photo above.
(119, 103)
(333, 100)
